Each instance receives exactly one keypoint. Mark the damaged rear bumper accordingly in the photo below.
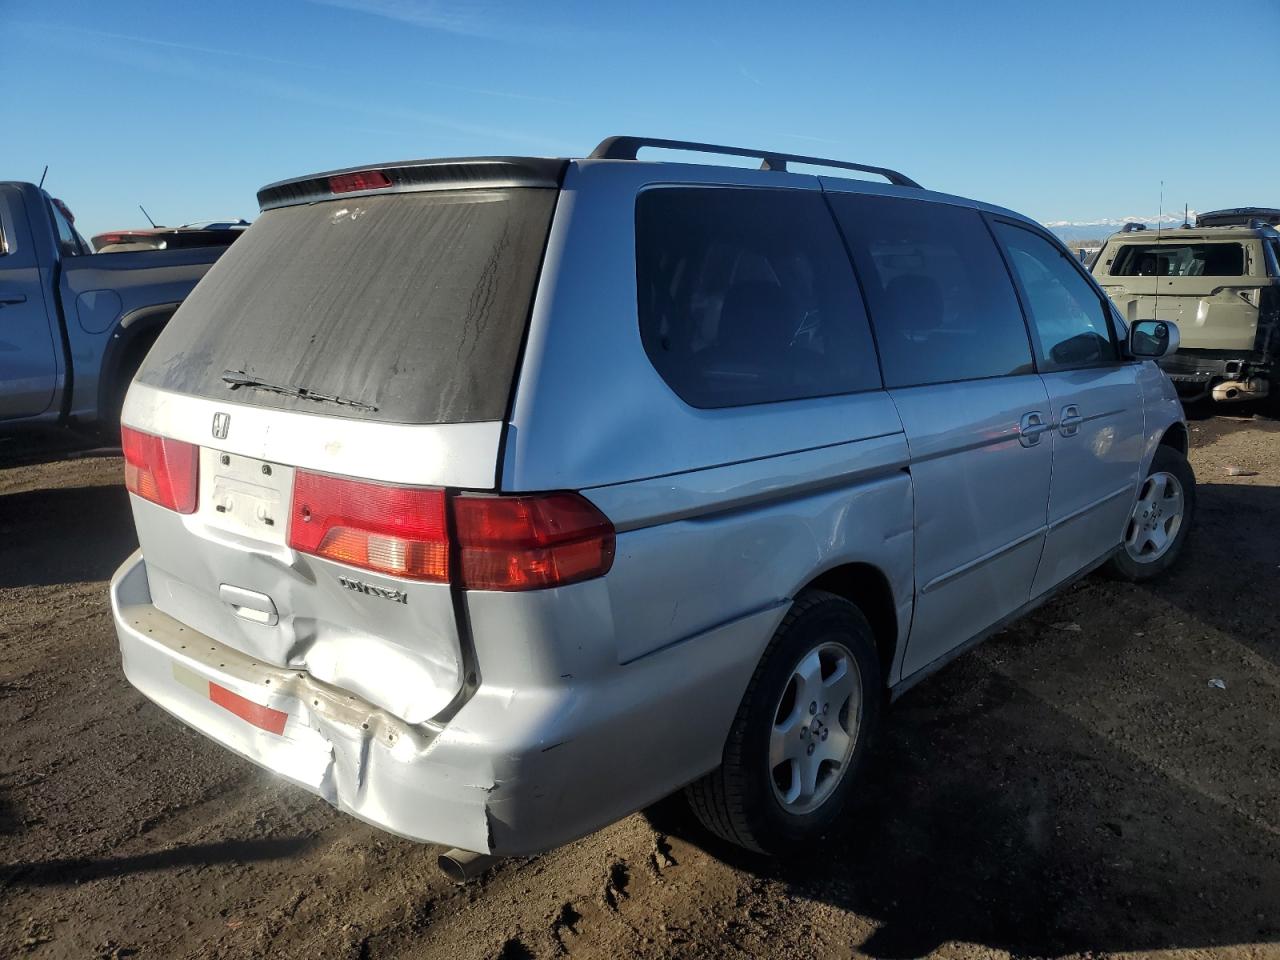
(515, 771)
(358, 757)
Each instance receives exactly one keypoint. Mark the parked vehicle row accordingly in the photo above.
(494, 499)
(75, 325)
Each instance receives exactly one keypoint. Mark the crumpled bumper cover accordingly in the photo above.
(516, 770)
(356, 756)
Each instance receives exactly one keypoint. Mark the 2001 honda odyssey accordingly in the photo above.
(495, 499)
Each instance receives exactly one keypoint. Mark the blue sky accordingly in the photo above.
(1064, 111)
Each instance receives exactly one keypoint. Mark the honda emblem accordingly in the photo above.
(221, 423)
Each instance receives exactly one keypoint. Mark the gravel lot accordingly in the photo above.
(1075, 786)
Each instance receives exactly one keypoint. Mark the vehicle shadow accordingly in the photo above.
(64, 535)
(74, 870)
(36, 447)
(1229, 575)
(994, 819)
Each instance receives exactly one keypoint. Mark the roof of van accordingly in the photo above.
(495, 172)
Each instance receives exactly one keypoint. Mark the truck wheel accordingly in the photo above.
(800, 734)
(1160, 520)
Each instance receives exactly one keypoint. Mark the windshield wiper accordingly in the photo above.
(238, 378)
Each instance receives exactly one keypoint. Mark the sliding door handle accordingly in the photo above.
(1031, 426)
(1069, 423)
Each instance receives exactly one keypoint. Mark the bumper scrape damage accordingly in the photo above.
(358, 757)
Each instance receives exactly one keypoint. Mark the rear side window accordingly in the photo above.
(1179, 260)
(1068, 317)
(410, 306)
(746, 296)
(941, 301)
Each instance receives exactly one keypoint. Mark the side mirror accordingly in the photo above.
(1152, 339)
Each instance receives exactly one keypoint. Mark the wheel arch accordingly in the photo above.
(131, 338)
(1176, 436)
(867, 587)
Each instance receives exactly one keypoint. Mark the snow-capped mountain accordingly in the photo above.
(1070, 230)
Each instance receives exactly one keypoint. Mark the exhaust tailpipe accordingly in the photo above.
(461, 866)
(1255, 388)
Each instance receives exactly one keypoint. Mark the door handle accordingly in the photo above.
(1031, 426)
(1069, 424)
(8, 298)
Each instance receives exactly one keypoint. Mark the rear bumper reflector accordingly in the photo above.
(255, 713)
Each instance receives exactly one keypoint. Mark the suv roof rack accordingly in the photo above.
(625, 148)
(1132, 227)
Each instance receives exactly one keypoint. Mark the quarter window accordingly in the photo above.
(1067, 315)
(746, 296)
(941, 302)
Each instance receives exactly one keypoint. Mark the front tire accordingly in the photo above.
(800, 734)
(1160, 520)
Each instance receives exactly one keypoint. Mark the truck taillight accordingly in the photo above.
(500, 542)
(160, 469)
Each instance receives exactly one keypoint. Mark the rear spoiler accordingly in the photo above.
(460, 173)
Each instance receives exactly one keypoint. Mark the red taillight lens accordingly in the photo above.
(364, 180)
(526, 543)
(400, 531)
(503, 543)
(161, 470)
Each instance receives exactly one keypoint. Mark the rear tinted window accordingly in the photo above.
(941, 300)
(413, 306)
(1179, 260)
(747, 296)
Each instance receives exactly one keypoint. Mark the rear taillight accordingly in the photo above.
(526, 543)
(161, 469)
(499, 543)
(396, 530)
(363, 180)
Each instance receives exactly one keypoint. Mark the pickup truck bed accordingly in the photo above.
(75, 325)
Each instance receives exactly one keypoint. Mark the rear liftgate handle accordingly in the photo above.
(1031, 426)
(250, 605)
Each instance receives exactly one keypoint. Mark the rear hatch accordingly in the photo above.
(1211, 289)
(350, 357)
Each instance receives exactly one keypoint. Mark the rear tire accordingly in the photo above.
(1157, 528)
(801, 733)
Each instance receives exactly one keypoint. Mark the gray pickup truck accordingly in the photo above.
(75, 325)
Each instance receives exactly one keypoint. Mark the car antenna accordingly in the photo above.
(148, 216)
(40, 186)
(1155, 306)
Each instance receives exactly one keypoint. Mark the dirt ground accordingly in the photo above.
(1075, 786)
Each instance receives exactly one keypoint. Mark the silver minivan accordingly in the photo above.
(495, 499)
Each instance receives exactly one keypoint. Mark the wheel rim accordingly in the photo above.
(815, 728)
(1156, 518)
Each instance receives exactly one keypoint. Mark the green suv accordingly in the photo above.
(1220, 285)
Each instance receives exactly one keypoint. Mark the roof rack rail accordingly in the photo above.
(1132, 227)
(626, 148)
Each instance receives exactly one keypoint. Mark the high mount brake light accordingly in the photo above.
(498, 542)
(363, 180)
(160, 469)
